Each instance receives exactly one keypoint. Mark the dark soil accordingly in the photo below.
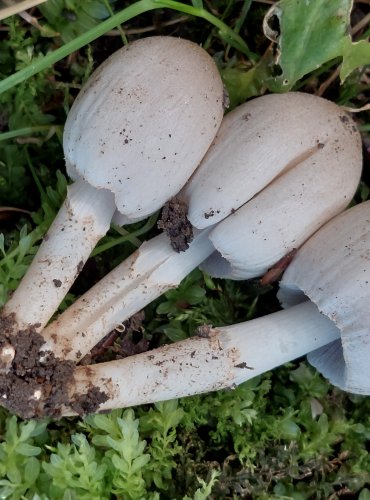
(126, 340)
(37, 383)
(88, 403)
(176, 225)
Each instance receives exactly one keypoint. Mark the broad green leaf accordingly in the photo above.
(311, 32)
(355, 55)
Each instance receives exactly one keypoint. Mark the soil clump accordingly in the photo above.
(176, 225)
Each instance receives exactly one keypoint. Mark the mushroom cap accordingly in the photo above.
(257, 142)
(322, 170)
(143, 122)
(332, 269)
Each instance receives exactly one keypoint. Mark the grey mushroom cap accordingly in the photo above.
(300, 168)
(332, 270)
(143, 122)
(260, 141)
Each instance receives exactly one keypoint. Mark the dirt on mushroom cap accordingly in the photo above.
(176, 225)
(37, 382)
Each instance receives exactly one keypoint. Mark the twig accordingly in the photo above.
(323, 87)
(146, 29)
(366, 107)
(361, 24)
(18, 7)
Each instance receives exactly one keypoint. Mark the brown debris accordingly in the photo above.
(277, 270)
(119, 343)
(176, 225)
(88, 403)
(244, 365)
(205, 331)
(37, 382)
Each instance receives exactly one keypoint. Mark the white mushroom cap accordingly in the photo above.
(332, 269)
(264, 137)
(160, 100)
(319, 168)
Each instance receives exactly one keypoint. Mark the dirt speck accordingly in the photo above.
(57, 283)
(176, 225)
(79, 268)
(211, 213)
(244, 365)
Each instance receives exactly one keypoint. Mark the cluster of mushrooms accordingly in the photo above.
(271, 177)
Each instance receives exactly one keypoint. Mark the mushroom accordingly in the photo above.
(332, 270)
(295, 157)
(134, 135)
(326, 290)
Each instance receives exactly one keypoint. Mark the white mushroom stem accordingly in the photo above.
(229, 356)
(84, 218)
(153, 269)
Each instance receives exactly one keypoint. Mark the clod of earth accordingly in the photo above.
(176, 225)
(34, 388)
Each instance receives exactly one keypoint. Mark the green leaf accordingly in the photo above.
(31, 470)
(175, 333)
(2, 241)
(364, 495)
(14, 474)
(311, 32)
(289, 430)
(28, 450)
(355, 55)
(242, 84)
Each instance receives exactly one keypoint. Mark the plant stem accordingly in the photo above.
(127, 237)
(12, 134)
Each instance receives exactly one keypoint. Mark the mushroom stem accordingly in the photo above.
(83, 219)
(153, 269)
(221, 358)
